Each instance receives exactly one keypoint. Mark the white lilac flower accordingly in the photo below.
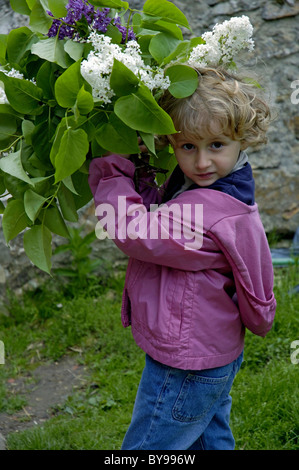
(224, 42)
(3, 98)
(97, 68)
(13, 73)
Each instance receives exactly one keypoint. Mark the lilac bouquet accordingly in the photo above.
(84, 78)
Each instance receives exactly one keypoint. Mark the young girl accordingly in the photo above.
(188, 308)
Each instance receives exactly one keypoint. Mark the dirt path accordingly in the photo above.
(49, 386)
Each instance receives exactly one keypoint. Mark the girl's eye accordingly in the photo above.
(216, 145)
(188, 146)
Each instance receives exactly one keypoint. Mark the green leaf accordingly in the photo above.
(8, 126)
(12, 165)
(27, 129)
(74, 49)
(166, 11)
(31, 163)
(165, 159)
(15, 186)
(68, 182)
(179, 54)
(154, 24)
(3, 45)
(42, 184)
(149, 141)
(15, 219)
(41, 142)
(40, 21)
(23, 95)
(184, 80)
(72, 152)
(68, 85)
(251, 81)
(84, 101)
(52, 49)
(114, 33)
(31, 3)
(2, 184)
(57, 7)
(2, 207)
(67, 204)
(162, 45)
(45, 79)
(37, 245)
(20, 6)
(140, 111)
(61, 128)
(19, 41)
(82, 27)
(33, 203)
(110, 3)
(7, 109)
(82, 187)
(53, 220)
(117, 136)
(122, 80)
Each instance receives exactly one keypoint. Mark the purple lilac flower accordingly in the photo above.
(102, 20)
(76, 9)
(123, 30)
(98, 20)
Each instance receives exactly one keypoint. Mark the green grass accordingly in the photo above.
(55, 319)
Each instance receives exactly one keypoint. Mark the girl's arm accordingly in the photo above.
(162, 236)
(246, 248)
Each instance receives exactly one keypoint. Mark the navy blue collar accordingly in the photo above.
(239, 184)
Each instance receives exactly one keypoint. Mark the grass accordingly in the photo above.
(56, 319)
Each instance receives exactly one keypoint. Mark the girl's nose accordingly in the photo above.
(202, 160)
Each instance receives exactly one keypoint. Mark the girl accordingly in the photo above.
(188, 308)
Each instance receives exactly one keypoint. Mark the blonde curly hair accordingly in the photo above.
(224, 99)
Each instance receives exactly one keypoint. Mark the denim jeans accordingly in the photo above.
(182, 409)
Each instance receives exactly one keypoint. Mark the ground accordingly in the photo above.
(46, 389)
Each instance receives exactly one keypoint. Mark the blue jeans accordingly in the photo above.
(182, 409)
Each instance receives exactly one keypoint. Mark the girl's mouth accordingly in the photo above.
(205, 176)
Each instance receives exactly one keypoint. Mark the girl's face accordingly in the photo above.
(204, 160)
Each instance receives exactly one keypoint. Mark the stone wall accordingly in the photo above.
(275, 60)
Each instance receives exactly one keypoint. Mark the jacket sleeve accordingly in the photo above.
(245, 246)
(148, 190)
(162, 237)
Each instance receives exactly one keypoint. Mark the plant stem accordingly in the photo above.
(128, 24)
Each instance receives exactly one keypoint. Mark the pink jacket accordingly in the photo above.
(188, 308)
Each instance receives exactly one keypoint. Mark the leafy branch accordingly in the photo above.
(51, 125)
